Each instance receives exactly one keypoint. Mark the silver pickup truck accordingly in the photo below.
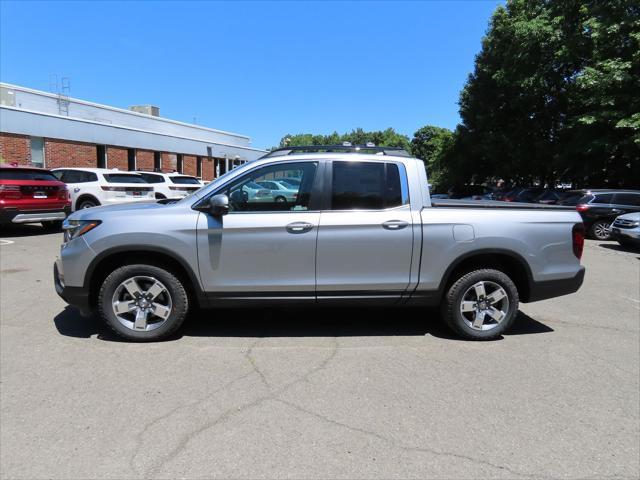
(358, 227)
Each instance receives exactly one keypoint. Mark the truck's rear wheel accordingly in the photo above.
(143, 303)
(481, 305)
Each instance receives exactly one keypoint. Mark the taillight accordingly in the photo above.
(10, 192)
(577, 234)
(63, 193)
(582, 207)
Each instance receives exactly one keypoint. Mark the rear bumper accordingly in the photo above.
(14, 215)
(76, 296)
(555, 288)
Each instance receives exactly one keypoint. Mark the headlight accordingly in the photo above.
(76, 228)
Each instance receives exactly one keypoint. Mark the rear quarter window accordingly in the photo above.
(185, 180)
(603, 198)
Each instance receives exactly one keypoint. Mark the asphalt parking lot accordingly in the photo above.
(320, 394)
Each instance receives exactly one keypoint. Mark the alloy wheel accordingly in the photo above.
(601, 230)
(484, 305)
(141, 303)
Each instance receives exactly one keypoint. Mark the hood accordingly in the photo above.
(96, 213)
(634, 217)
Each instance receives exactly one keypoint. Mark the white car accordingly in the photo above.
(91, 187)
(281, 191)
(171, 185)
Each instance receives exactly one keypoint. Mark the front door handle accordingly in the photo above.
(299, 227)
(394, 225)
(617, 210)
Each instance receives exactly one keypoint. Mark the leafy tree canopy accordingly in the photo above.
(381, 138)
(554, 95)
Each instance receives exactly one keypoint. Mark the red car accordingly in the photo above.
(32, 195)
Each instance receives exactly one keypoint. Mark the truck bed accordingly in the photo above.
(449, 203)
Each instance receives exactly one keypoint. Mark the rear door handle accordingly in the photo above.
(617, 210)
(394, 225)
(299, 227)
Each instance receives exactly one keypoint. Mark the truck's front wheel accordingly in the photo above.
(481, 305)
(143, 303)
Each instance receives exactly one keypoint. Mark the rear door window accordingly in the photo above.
(631, 199)
(367, 186)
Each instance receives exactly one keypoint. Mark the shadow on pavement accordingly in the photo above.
(272, 322)
(620, 248)
(27, 230)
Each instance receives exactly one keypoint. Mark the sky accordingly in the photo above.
(263, 69)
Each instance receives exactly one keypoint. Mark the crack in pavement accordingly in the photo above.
(155, 421)
(273, 395)
(404, 447)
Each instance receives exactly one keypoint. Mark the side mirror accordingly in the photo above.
(219, 205)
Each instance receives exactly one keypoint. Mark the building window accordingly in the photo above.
(199, 167)
(157, 161)
(131, 158)
(37, 151)
(101, 161)
(179, 162)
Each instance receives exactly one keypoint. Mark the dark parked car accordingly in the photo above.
(599, 208)
(471, 192)
(523, 194)
(552, 196)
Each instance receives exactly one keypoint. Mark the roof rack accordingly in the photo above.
(284, 151)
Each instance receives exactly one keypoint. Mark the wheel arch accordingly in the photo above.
(507, 261)
(109, 260)
(86, 196)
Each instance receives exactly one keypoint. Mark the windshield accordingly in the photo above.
(26, 174)
(185, 180)
(123, 178)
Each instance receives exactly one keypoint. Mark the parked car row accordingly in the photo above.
(598, 207)
(36, 195)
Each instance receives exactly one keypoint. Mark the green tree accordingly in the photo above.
(381, 138)
(554, 95)
(433, 145)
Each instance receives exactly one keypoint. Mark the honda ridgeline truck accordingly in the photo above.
(361, 229)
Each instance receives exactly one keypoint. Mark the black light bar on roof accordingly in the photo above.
(284, 151)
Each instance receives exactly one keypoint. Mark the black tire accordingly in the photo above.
(53, 225)
(87, 203)
(452, 303)
(600, 230)
(178, 297)
(160, 196)
(281, 199)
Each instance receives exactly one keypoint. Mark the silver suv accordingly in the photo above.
(359, 227)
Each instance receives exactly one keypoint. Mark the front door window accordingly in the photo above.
(267, 190)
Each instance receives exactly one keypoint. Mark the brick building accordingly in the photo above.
(48, 130)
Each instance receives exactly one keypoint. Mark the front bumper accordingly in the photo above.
(632, 234)
(76, 296)
(14, 215)
(555, 288)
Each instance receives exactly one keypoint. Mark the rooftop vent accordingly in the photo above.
(146, 109)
